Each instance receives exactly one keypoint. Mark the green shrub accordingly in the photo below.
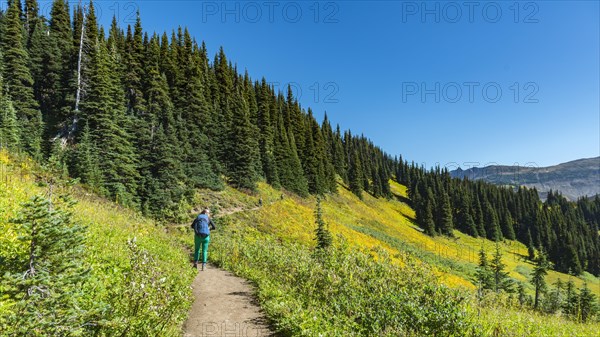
(344, 292)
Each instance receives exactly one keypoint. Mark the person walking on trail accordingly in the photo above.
(202, 226)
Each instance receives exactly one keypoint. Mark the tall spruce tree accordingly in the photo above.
(104, 111)
(243, 158)
(484, 275)
(538, 278)
(322, 233)
(500, 276)
(20, 82)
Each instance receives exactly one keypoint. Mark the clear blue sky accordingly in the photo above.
(368, 63)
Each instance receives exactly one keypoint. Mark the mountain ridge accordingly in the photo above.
(574, 179)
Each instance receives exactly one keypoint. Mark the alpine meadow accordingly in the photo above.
(112, 139)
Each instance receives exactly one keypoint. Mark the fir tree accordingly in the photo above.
(447, 222)
(530, 249)
(85, 161)
(105, 113)
(587, 303)
(355, 174)
(484, 276)
(538, 279)
(19, 81)
(500, 276)
(243, 157)
(570, 306)
(428, 222)
(47, 288)
(322, 234)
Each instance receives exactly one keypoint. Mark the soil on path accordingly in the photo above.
(224, 306)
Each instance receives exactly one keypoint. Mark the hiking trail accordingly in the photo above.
(224, 304)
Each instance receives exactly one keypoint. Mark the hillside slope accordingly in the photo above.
(261, 243)
(139, 276)
(573, 179)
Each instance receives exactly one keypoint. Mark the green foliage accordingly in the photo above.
(322, 233)
(348, 293)
(67, 269)
(484, 275)
(500, 276)
(45, 285)
(9, 130)
(20, 82)
(538, 278)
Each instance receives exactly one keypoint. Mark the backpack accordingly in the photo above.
(200, 225)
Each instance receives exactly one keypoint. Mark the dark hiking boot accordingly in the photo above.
(203, 266)
(195, 265)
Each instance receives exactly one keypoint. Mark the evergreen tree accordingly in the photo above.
(538, 279)
(447, 222)
(429, 224)
(19, 81)
(85, 163)
(484, 276)
(243, 157)
(570, 306)
(266, 134)
(47, 286)
(9, 129)
(501, 280)
(554, 300)
(322, 234)
(492, 228)
(355, 174)
(104, 111)
(530, 249)
(587, 303)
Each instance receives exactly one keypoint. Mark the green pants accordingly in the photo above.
(200, 242)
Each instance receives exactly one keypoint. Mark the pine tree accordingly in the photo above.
(538, 279)
(530, 249)
(243, 158)
(492, 228)
(19, 81)
(47, 288)
(447, 222)
(9, 130)
(322, 234)
(501, 280)
(104, 111)
(266, 134)
(85, 162)
(570, 306)
(587, 303)
(355, 174)
(484, 276)
(428, 222)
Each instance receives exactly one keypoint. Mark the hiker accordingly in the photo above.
(202, 226)
(260, 202)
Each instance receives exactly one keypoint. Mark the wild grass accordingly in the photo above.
(149, 301)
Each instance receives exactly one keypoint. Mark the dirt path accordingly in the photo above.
(224, 306)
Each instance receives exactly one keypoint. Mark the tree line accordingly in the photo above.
(567, 231)
(145, 119)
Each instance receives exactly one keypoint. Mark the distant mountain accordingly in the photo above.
(573, 179)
